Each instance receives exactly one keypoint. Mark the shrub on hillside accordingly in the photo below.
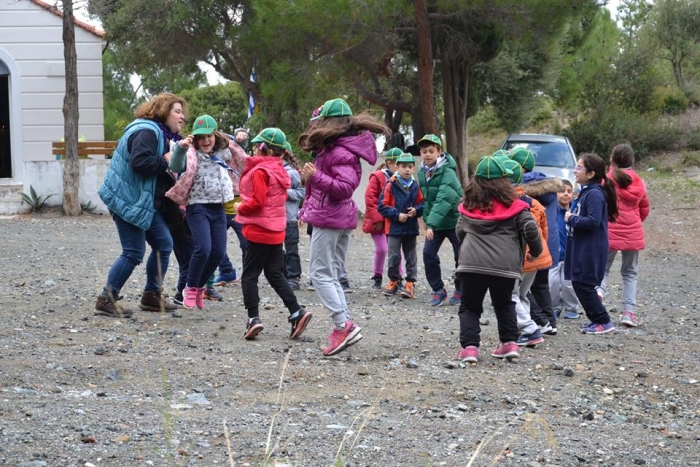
(669, 99)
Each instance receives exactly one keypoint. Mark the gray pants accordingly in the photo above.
(526, 325)
(408, 243)
(329, 248)
(563, 296)
(629, 271)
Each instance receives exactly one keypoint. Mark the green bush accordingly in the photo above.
(669, 99)
(691, 159)
(485, 122)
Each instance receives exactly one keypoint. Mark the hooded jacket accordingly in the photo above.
(329, 202)
(377, 181)
(395, 200)
(544, 189)
(494, 243)
(442, 192)
(627, 233)
(295, 193)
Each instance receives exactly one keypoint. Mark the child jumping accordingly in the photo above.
(494, 227)
(401, 203)
(442, 191)
(264, 185)
(564, 301)
(340, 141)
(626, 234)
(587, 244)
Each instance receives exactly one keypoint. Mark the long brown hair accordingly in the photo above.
(291, 159)
(481, 193)
(160, 106)
(622, 157)
(220, 140)
(594, 163)
(326, 130)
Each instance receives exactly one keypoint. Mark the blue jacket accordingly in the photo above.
(396, 199)
(544, 189)
(587, 242)
(128, 193)
(561, 224)
(295, 194)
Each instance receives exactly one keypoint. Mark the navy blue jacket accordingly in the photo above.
(587, 242)
(394, 200)
(544, 189)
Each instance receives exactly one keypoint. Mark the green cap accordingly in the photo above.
(524, 157)
(271, 136)
(430, 139)
(406, 158)
(502, 153)
(393, 154)
(288, 146)
(517, 175)
(491, 168)
(336, 108)
(204, 125)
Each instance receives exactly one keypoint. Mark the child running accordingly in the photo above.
(587, 244)
(493, 228)
(264, 185)
(203, 187)
(401, 203)
(564, 301)
(626, 234)
(340, 141)
(373, 223)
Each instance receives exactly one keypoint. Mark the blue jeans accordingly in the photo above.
(207, 223)
(225, 266)
(292, 261)
(431, 258)
(591, 304)
(133, 241)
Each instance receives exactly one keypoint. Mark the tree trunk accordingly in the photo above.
(455, 80)
(425, 68)
(71, 165)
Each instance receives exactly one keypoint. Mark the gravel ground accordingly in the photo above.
(81, 390)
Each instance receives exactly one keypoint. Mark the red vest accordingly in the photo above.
(273, 216)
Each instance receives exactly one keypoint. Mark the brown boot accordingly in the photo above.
(108, 307)
(154, 301)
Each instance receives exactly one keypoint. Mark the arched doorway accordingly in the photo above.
(5, 140)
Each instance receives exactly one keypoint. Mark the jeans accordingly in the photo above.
(408, 244)
(270, 259)
(207, 223)
(292, 261)
(629, 270)
(591, 304)
(471, 307)
(562, 292)
(133, 241)
(182, 247)
(225, 266)
(431, 259)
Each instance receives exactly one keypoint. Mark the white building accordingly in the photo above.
(32, 87)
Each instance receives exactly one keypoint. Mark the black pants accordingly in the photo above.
(543, 300)
(292, 260)
(270, 259)
(591, 304)
(474, 287)
(407, 243)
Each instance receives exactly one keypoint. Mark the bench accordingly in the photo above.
(85, 149)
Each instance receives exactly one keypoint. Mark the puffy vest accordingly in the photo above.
(273, 216)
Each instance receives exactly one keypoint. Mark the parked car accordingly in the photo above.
(554, 154)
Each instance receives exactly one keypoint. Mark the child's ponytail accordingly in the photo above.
(610, 199)
(622, 157)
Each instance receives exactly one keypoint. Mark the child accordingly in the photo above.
(203, 187)
(587, 243)
(374, 221)
(295, 194)
(441, 188)
(264, 185)
(401, 203)
(564, 301)
(626, 234)
(494, 227)
(340, 141)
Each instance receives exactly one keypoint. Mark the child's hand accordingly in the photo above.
(403, 217)
(237, 205)
(186, 142)
(411, 212)
(378, 226)
(308, 170)
(300, 223)
(567, 214)
(429, 234)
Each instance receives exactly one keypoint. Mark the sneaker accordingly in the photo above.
(571, 315)
(199, 298)
(594, 328)
(392, 288)
(154, 301)
(557, 313)
(456, 298)
(210, 293)
(299, 323)
(341, 339)
(106, 306)
(377, 282)
(345, 284)
(409, 291)
(530, 340)
(583, 327)
(294, 284)
(439, 298)
(506, 350)
(551, 332)
(226, 278)
(310, 286)
(190, 298)
(253, 328)
(178, 298)
(469, 354)
(546, 328)
(629, 320)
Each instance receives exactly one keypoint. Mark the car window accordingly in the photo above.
(547, 154)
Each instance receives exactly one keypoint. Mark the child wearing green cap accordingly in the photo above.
(203, 187)
(295, 195)
(494, 226)
(442, 190)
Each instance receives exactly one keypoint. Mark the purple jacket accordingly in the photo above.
(329, 191)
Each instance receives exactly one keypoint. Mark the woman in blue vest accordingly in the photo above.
(134, 192)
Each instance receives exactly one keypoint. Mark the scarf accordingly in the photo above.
(406, 183)
(429, 170)
(223, 164)
(167, 134)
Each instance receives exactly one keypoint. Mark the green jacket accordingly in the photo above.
(442, 193)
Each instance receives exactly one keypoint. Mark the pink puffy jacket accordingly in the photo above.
(627, 233)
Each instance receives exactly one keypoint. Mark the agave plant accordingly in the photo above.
(36, 203)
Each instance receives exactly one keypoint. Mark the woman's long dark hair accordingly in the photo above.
(622, 157)
(594, 163)
(481, 193)
(324, 131)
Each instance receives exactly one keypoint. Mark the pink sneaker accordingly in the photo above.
(507, 350)
(341, 339)
(629, 320)
(469, 354)
(200, 298)
(189, 298)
